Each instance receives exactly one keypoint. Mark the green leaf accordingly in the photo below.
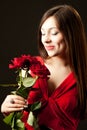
(35, 106)
(31, 119)
(8, 119)
(19, 115)
(22, 91)
(19, 80)
(29, 81)
(20, 124)
(13, 121)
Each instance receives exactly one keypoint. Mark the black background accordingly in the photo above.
(19, 22)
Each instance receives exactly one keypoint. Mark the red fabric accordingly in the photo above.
(59, 111)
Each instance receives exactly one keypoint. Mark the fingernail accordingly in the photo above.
(25, 106)
(21, 108)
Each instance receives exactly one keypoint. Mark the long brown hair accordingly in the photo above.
(70, 24)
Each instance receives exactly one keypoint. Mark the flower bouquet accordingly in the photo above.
(29, 70)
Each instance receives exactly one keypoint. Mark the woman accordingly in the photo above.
(62, 47)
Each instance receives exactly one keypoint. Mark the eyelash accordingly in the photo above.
(43, 34)
(54, 33)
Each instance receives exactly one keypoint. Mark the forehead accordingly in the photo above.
(50, 23)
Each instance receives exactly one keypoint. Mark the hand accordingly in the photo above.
(13, 103)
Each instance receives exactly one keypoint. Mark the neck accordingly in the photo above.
(57, 61)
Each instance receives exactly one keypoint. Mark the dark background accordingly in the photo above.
(19, 22)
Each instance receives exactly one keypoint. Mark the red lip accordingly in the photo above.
(49, 47)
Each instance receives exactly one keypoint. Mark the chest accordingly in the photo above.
(56, 78)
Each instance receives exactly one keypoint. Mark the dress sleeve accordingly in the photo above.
(60, 112)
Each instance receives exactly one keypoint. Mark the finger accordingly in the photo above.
(8, 107)
(18, 101)
(8, 110)
(15, 99)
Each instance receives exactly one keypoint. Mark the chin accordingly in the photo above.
(53, 55)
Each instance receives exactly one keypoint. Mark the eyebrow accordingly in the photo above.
(50, 28)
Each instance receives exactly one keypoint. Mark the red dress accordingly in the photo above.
(60, 110)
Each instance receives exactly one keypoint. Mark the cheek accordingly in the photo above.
(58, 39)
(61, 43)
(63, 47)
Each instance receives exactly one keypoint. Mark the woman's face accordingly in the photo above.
(52, 38)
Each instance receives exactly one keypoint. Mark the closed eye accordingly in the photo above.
(54, 33)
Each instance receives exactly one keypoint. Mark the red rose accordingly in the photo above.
(31, 63)
(23, 61)
(39, 70)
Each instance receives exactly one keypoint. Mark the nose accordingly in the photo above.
(47, 39)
